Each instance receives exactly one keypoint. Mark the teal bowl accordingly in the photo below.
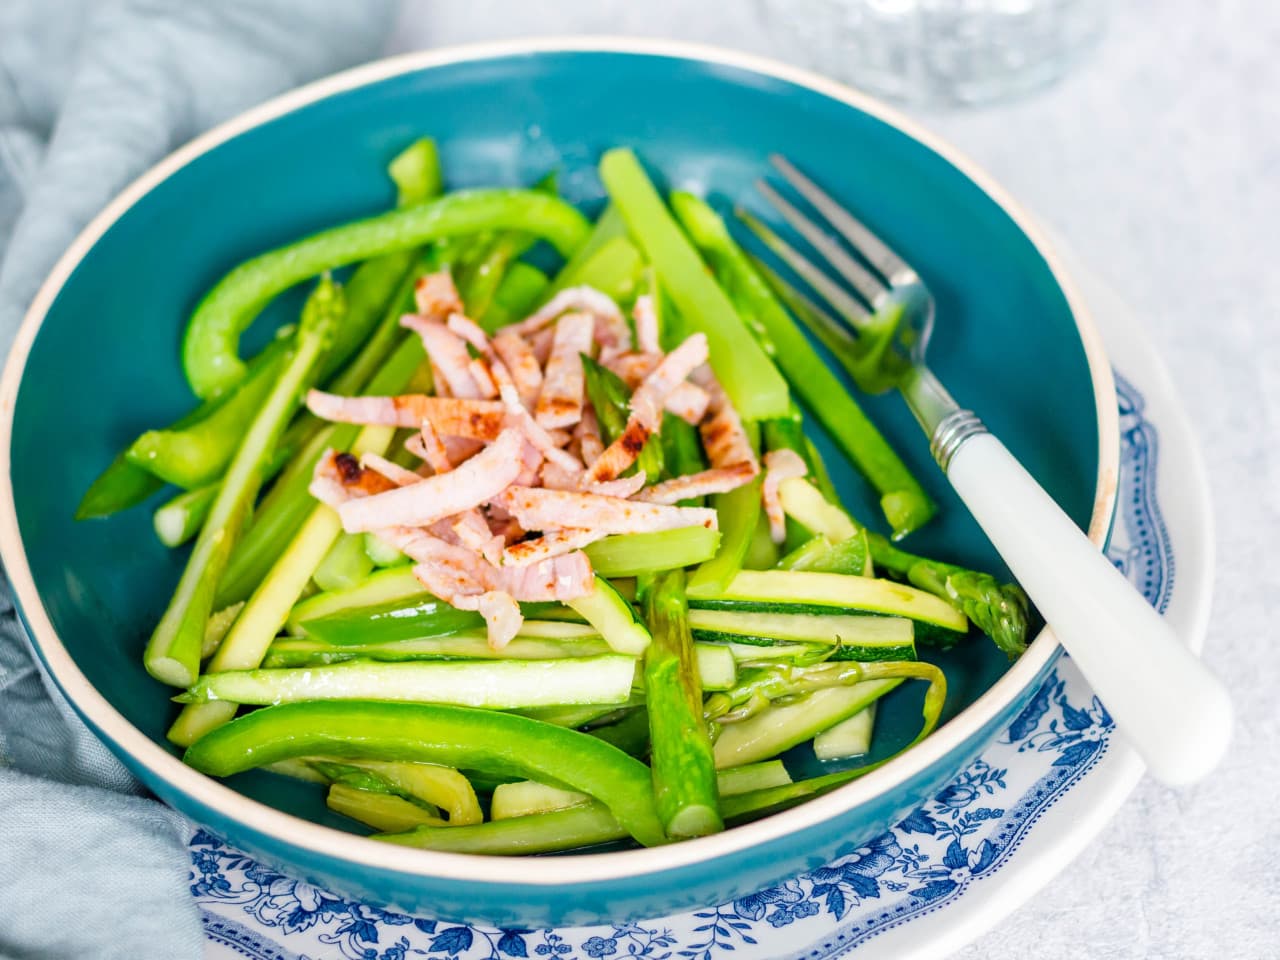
(96, 362)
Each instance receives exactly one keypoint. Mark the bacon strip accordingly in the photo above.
(646, 408)
(647, 401)
(450, 416)
(779, 465)
(483, 378)
(645, 314)
(338, 477)
(623, 487)
(501, 615)
(554, 543)
(448, 353)
(559, 578)
(432, 450)
(518, 357)
(582, 299)
(472, 531)
(688, 401)
(723, 436)
(560, 401)
(519, 417)
(715, 480)
(587, 433)
(477, 480)
(540, 509)
(436, 296)
(397, 474)
(470, 331)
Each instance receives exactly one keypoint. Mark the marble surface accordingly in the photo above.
(1159, 161)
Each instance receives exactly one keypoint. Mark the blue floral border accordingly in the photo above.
(965, 832)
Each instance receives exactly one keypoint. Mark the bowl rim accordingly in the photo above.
(328, 842)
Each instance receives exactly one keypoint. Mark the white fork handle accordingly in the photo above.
(1174, 712)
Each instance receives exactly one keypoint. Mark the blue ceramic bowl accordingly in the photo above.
(96, 361)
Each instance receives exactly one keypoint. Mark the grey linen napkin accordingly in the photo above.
(92, 93)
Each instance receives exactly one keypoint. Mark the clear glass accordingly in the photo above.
(938, 52)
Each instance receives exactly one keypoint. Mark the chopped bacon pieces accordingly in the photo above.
(723, 436)
(645, 314)
(560, 400)
(436, 296)
(516, 479)
(715, 480)
(448, 352)
(472, 483)
(540, 509)
(450, 416)
(551, 544)
(521, 362)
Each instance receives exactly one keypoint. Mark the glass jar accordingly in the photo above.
(937, 52)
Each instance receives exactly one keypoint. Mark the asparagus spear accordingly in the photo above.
(813, 698)
(173, 653)
(1001, 611)
(684, 779)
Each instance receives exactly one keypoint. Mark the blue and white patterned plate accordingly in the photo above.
(952, 869)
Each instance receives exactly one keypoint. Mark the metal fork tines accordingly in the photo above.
(884, 295)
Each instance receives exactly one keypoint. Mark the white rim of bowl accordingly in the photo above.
(579, 868)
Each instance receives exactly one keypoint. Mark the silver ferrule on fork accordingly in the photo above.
(945, 422)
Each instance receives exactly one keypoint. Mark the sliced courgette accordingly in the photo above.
(857, 636)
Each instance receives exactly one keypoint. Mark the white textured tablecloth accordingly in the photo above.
(1159, 161)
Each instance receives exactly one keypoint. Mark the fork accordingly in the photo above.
(1174, 712)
